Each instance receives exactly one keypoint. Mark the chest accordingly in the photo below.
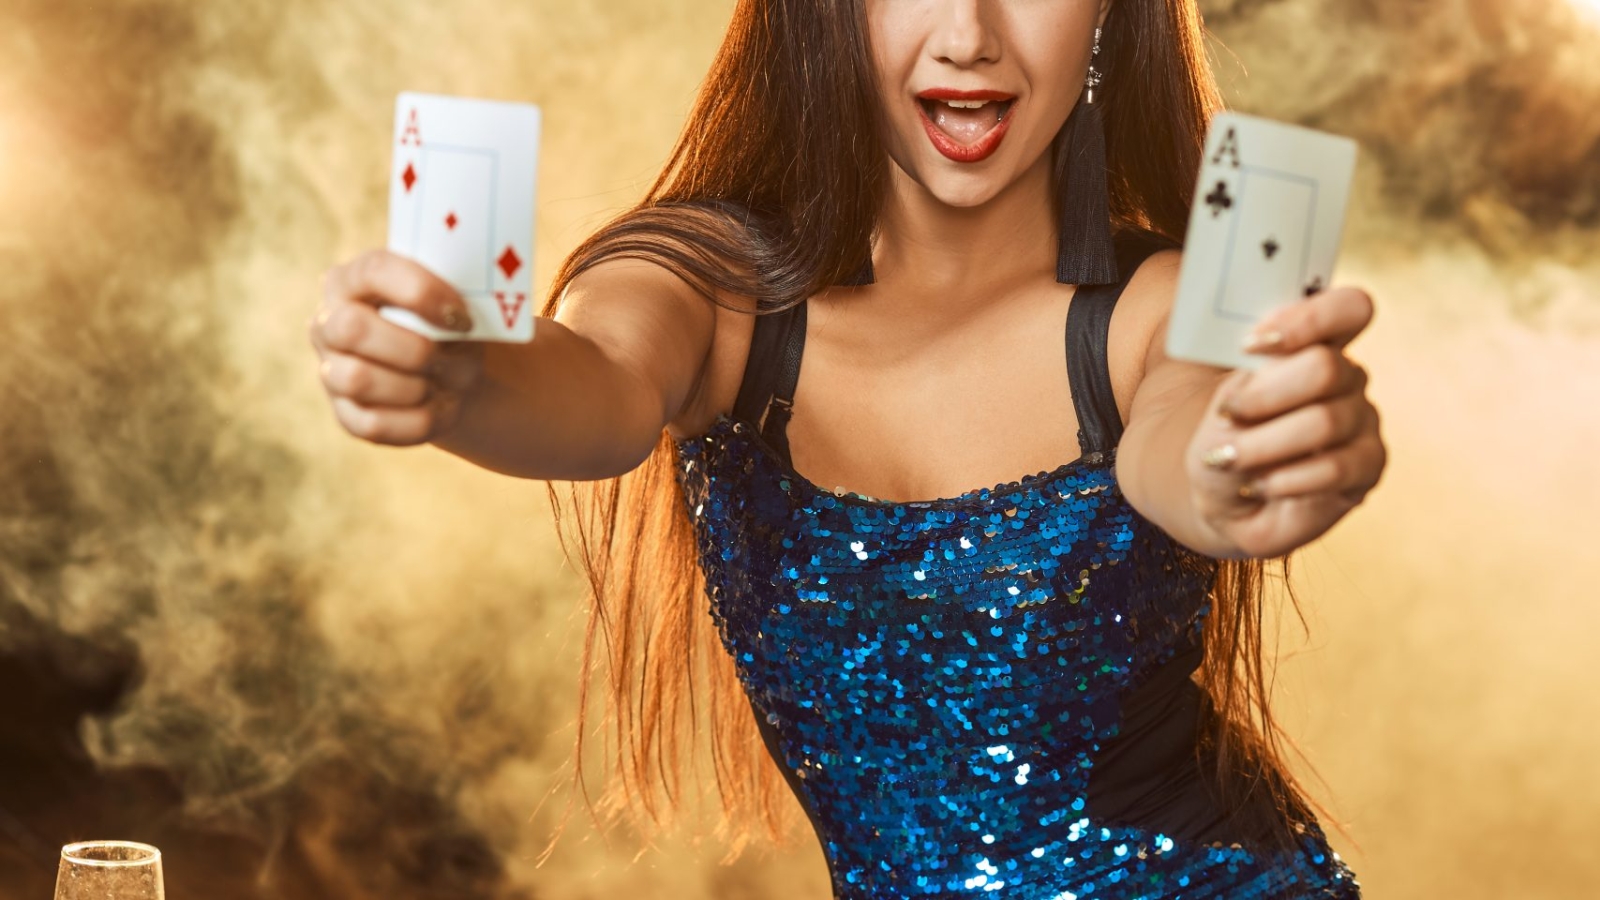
(968, 408)
(1056, 563)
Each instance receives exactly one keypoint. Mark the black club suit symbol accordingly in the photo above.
(1219, 199)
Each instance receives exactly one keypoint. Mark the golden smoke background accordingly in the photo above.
(312, 668)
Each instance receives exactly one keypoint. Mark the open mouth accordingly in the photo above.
(965, 122)
(965, 128)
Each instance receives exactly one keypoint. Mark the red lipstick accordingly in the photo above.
(967, 153)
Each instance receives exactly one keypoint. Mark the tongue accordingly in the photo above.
(965, 125)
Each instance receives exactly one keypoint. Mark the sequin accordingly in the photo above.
(940, 675)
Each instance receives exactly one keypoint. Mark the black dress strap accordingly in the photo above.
(1088, 328)
(766, 393)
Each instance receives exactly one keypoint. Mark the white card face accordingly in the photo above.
(1264, 232)
(461, 200)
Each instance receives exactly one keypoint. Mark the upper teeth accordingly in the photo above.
(966, 104)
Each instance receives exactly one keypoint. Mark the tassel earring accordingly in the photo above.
(1085, 254)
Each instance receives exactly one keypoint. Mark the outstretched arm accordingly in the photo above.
(1239, 464)
(587, 398)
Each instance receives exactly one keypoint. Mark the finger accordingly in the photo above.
(1222, 397)
(458, 365)
(1283, 383)
(1292, 522)
(356, 329)
(379, 277)
(1220, 485)
(370, 384)
(1333, 317)
(384, 425)
(1299, 432)
(1349, 470)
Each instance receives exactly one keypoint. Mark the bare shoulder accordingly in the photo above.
(1138, 324)
(734, 325)
(626, 293)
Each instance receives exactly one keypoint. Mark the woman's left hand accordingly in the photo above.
(1286, 450)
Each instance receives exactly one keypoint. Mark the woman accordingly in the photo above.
(970, 690)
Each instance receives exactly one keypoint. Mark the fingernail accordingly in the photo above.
(456, 319)
(1251, 490)
(1220, 457)
(1265, 340)
(1225, 408)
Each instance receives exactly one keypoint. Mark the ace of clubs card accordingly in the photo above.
(1264, 231)
(461, 200)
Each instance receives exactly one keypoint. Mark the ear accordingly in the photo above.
(1105, 10)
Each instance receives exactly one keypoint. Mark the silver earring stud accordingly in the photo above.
(1095, 75)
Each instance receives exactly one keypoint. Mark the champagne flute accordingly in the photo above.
(109, 870)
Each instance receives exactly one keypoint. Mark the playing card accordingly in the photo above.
(1264, 231)
(461, 199)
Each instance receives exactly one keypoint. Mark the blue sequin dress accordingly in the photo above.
(981, 695)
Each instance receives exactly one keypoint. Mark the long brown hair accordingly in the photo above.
(772, 193)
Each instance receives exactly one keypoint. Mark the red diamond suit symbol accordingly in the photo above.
(509, 262)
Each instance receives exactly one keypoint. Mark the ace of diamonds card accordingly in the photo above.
(461, 200)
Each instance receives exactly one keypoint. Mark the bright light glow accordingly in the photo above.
(1592, 7)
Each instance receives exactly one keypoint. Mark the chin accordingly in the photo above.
(957, 189)
(966, 192)
(966, 186)
(972, 187)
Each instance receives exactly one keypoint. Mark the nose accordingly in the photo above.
(963, 33)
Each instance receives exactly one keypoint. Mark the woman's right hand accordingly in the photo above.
(388, 384)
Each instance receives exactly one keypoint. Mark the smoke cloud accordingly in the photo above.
(311, 668)
(1481, 116)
